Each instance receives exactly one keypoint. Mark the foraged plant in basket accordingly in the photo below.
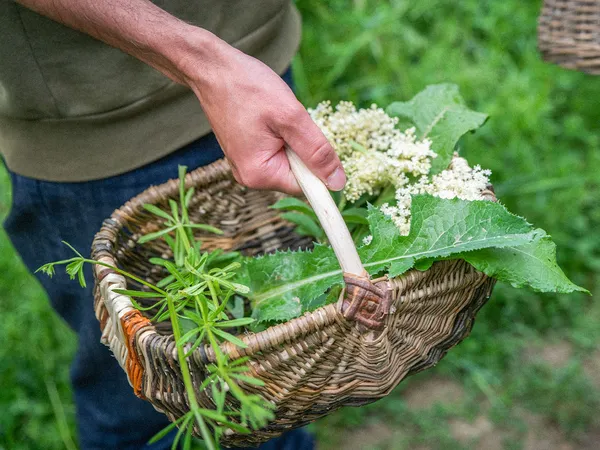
(243, 314)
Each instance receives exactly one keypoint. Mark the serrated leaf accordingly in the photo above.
(440, 228)
(277, 282)
(285, 284)
(439, 113)
(531, 265)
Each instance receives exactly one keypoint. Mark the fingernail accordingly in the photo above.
(337, 180)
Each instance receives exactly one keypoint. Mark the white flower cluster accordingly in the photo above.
(458, 181)
(374, 153)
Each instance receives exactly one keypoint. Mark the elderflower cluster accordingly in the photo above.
(374, 153)
(458, 181)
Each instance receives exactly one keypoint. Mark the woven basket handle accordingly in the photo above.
(362, 300)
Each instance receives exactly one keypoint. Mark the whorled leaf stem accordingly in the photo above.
(197, 290)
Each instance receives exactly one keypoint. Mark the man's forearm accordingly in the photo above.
(137, 27)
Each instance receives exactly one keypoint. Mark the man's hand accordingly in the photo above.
(252, 111)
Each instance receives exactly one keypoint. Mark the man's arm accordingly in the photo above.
(251, 110)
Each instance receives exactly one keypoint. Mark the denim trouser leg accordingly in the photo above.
(109, 415)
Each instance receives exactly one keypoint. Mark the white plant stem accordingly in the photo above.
(326, 210)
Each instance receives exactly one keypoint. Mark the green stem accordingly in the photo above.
(184, 237)
(127, 274)
(187, 378)
(213, 292)
(222, 365)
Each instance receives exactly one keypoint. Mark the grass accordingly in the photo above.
(35, 353)
(542, 143)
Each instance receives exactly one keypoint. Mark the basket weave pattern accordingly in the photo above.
(569, 34)
(311, 365)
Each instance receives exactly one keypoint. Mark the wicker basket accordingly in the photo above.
(311, 365)
(569, 34)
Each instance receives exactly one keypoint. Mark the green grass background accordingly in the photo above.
(542, 142)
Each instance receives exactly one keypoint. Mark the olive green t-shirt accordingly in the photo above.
(74, 109)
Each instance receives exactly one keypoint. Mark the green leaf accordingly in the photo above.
(137, 294)
(355, 215)
(530, 265)
(157, 211)
(239, 288)
(187, 440)
(174, 208)
(294, 204)
(81, 277)
(182, 429)
(157, 261)
(277, 282)
(188, 197)
(249, 380)
(308, 225)
(155, 235)
(424, 264)
(439, 113)
(191, 333)
(165, 281)
(235, 322)
(75, 269)
(200, 226)
(48, 269)
(236, 307)
(211, 414)
(440, 228)
(166, 430)
(285, 284)
(229, 337)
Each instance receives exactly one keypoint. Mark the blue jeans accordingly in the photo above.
(109, 415)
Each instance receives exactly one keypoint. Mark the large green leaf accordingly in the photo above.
(285, 284)
(440, 228)
(531, 265)
(439, 113)
(278, 281)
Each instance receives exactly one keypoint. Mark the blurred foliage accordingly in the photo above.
(542, 142)
(35, 398)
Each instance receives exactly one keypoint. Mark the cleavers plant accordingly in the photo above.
(195, 297)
